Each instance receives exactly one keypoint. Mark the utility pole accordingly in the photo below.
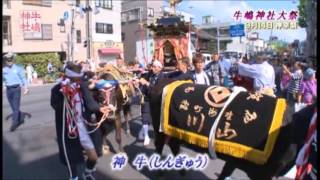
(68, 50)
(72, 35)
(88, 31)
(143, 37)
(218, 35)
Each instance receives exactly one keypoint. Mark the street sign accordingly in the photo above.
(236, 30)
(65, 15)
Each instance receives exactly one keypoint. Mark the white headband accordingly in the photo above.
(70, 73)
(157, 63)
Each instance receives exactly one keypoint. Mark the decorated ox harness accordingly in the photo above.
(69, 92)
(124, 80)
(229, 121)
(69, 104)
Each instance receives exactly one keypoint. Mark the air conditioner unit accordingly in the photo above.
(133, 17)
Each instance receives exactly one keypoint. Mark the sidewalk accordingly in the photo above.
(39, 82)
(36, 82)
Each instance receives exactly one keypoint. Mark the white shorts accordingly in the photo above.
(85, 139)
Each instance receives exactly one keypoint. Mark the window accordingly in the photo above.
(6, 31)
(62, 26)
(109, 28)
(134, 15)
(46, 31)
(77, 3)
(150, 12)
(106, 4)
(123, 36)
(38, 2)
(44, 34)
(104, 28)
(47, 3)
(6, 3)
(78, 36)
(123, 17)
(207, 20)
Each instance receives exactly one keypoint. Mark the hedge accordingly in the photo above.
(39, 61)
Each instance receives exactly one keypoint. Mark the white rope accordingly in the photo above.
(72, 115)
(98, 124)
(71, 73)
(63, 138)
(103, 118)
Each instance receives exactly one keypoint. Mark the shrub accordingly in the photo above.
(39, 61)
(50, 78)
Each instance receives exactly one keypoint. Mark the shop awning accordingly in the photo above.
(110, 51)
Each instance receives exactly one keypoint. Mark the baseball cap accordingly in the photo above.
(308, 73)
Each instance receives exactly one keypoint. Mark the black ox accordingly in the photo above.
(289, 141)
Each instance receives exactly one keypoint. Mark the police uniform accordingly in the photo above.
(14, 78)
(71, 147)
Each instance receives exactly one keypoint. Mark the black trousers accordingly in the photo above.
(145, 113)
(14, 98)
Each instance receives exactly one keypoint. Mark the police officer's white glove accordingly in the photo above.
(26, 91)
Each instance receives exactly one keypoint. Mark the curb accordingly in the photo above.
(37, 85)
(33, 85)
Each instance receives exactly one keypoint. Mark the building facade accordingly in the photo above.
(213, 28)
(105, 24)
(137, 39)
(31, 26)
(254, 43)
(38, 26)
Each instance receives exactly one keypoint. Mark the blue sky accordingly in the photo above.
(223, 10)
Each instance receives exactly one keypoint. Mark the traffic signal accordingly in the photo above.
(86, 9)
(85, 43)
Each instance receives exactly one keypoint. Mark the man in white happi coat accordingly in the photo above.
(262, 73)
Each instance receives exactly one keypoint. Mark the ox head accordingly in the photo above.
(108, 95)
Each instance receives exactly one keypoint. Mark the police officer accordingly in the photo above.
(14, 78)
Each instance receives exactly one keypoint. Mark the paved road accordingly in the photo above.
(31, 152)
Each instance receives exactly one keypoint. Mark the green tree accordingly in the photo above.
(302, 14)
(39, 61)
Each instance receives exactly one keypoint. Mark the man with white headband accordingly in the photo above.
(148, 81)
(74, 105)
